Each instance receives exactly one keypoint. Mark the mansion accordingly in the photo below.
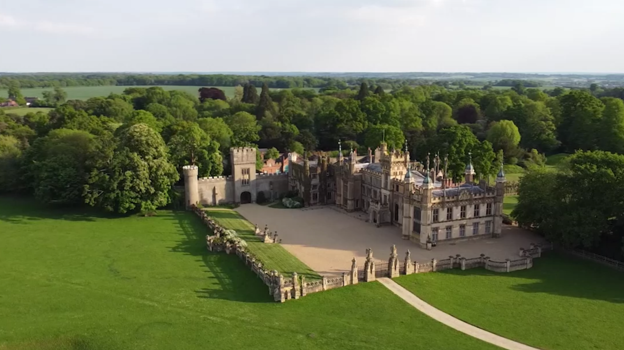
(426, 205)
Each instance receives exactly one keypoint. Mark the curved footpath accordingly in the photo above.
(450, 320)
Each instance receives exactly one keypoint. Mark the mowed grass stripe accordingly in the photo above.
(76, 279)
(560, 304)
(274, 256)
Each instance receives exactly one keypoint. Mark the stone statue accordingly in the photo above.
(393, 252)
(353, 264)
(369, 254)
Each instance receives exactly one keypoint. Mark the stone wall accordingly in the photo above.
(283, 288)
(218, 190)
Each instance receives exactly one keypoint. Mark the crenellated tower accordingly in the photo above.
(191, 185)
(243, 160)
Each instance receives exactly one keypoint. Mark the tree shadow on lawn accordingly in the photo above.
(22, 210)
(558, 274)
(234, 281)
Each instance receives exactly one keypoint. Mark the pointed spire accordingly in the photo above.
(406, 149)
(469, 168)
(427, 182)
(339, 146)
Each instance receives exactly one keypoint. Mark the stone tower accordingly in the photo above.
(243, 162)
(191, 185)
(498, 205)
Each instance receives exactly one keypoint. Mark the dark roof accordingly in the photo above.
(453, 192)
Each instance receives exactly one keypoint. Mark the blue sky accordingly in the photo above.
(320, 35)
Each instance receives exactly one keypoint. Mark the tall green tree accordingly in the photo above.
(138, 176)
(265, 104)
(580, 117)
(244, 128)
(363, 92)
(15, 93)
(192, 146)
(10, 161)
(250, 94)
(611, 126)
(392, 135)
(504, 135)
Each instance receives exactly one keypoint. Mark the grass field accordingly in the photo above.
(274, 256)
(73, 280)
(24, 110)
(559, 304)
(86, 92)
(509, 203)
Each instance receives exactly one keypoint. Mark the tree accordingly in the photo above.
(217, 130)
(10, 161)
(56, 97)
(536, 125)
(497, 107)
(114, 108)
(392, 135)
(182, 106)
(265, 104)
(363, 92)
(296, 147)
(58, 165)
(15, 93)
(467, 111)
(307, 140)
(580, 117)
(192, 146)
(379, 91)
(144, 117)
(272, 153)
(212, 94)
(456, 142)
(250, 94)
(373, 108)
(518, 87)
(244, 128)
(611, 126)
(504, 135)
(138, 176)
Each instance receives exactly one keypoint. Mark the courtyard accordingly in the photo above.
(327, 240)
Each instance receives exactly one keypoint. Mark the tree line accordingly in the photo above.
(122, 152)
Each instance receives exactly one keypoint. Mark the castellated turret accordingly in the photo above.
(191, 186)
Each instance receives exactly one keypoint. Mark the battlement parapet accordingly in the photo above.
(216, 178)
(242, 149)
(272, 175)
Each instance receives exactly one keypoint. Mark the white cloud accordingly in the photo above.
(391, 16)
(62, 28)
(7, 21)
(45, 26)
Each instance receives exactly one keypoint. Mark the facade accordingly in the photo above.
(243, 186)
(422, 202)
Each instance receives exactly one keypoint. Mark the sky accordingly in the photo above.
(312, 36)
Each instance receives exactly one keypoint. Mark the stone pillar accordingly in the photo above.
(191, 185)
(345, 279)
(280, 295)
(275, 237)
(324, 282)
(393, 263)
(303, 287)
(295, 290)
(369, 266)
(416, 267)
(463, 263)
(354, 272)
(257, 230)
(528, 263)
(409, 265)
(508, 265)
(434, 264)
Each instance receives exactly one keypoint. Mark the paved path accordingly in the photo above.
(450, 320)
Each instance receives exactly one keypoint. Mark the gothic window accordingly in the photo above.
(462, 230)
(475, 228)
(417, 214)
(449, 232)
(417, 227)
(488, 227)
(434, 234)
(463, 212)
(449, 213)
(314, 197)
(436, 215)
(488, 209)
(396, 213)
(246, 176)
(314, 187)
(477, 211)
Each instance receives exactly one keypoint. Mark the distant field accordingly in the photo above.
(24, 110)
(86, 92)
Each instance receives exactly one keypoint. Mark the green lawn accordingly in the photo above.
(86, 92)
(509, 203)
(274, 256)
(21, 111)
(559, 304)
(72, 280)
